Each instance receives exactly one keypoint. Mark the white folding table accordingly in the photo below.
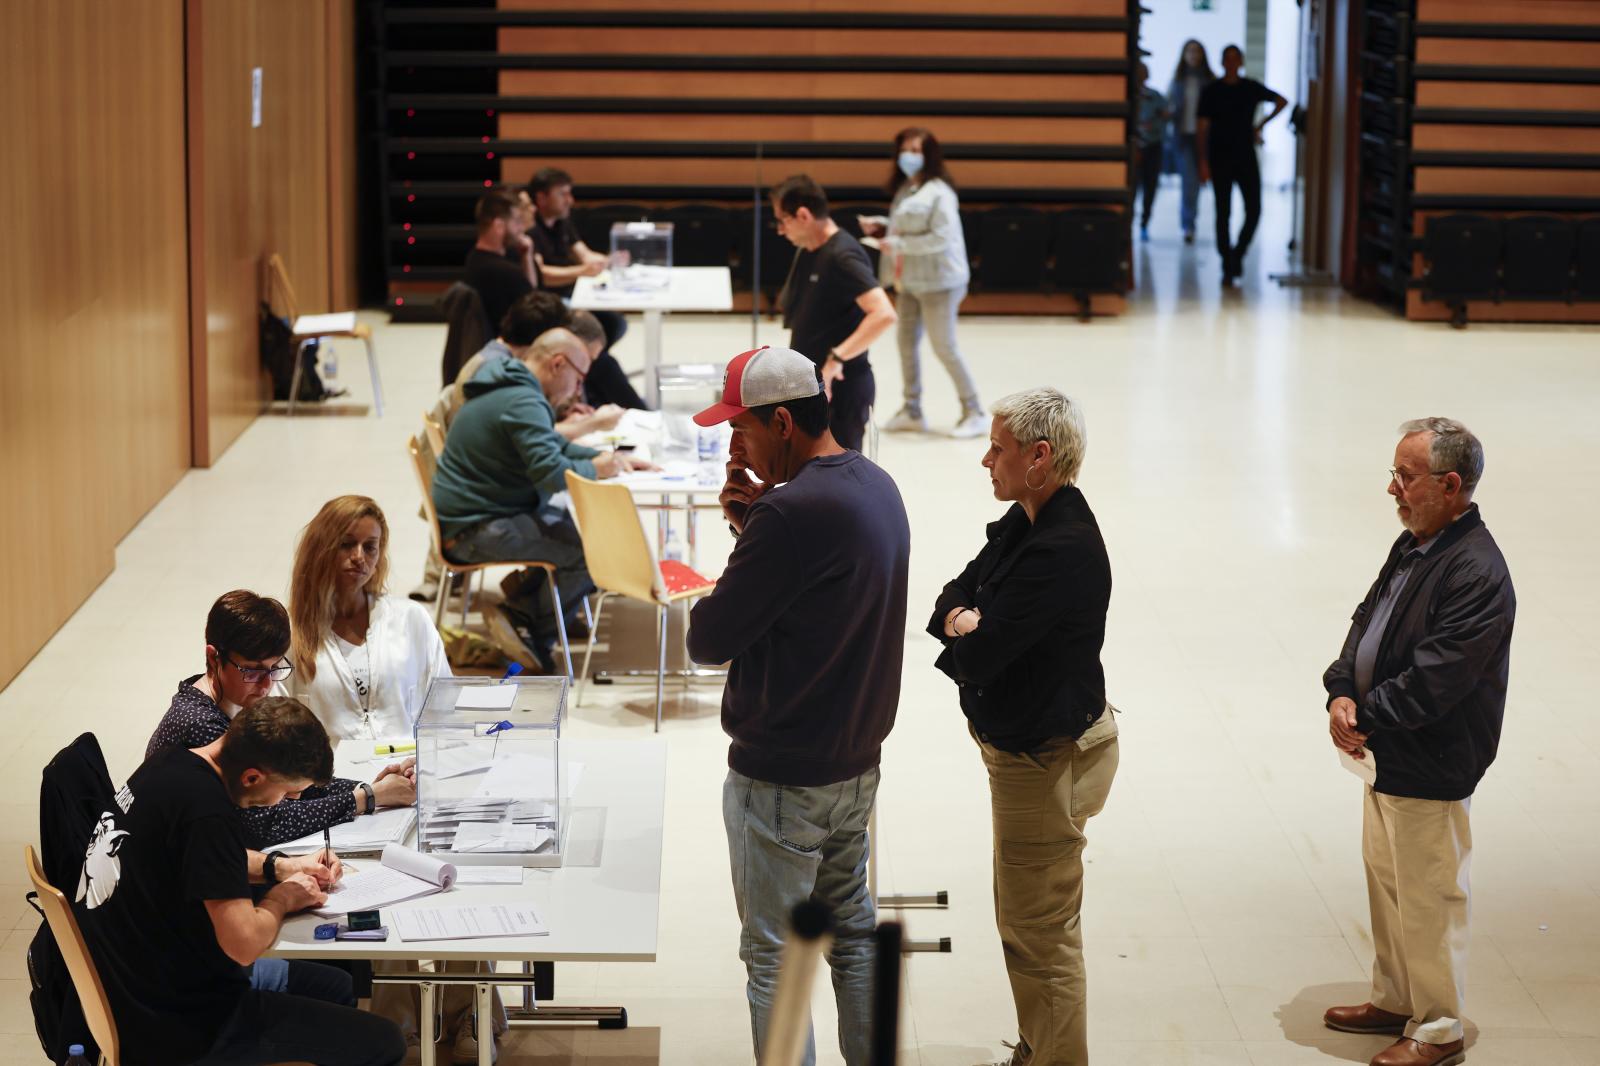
(602, 905)
(690, 289)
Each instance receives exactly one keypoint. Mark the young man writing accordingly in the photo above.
(165, 905)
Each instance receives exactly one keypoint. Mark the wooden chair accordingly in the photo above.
(617, 554)
(424, 461)
(307, 328)
(434, 429)
(80, 964)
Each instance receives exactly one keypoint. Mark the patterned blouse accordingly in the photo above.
(194, 720)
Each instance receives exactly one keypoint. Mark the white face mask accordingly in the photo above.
(910, 163)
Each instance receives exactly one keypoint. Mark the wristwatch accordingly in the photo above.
(269, 868)
(834, 356)
(371, 796)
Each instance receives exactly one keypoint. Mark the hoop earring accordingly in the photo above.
(1032, 487)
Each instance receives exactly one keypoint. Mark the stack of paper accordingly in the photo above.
(368, 833)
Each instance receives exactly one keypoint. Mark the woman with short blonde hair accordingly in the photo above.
(1022, 627)
(363, 659)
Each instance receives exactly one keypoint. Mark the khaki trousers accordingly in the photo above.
(1041, 801)
(1418, 853)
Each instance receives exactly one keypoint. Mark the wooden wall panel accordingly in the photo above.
(1505, 181)
(696, 40)
(94, 384)
(989, 173)
(1469, 52)
(1511, 12)
(1447, 137)
(951, 129)
(263, 189)
(1054, 8)
(1523, 96)
(656, 84)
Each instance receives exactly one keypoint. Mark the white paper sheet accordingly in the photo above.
(489, 875)
(404, 874)
(467, 923)
(486, 697)
(338, 322)
(500, 836)
(1365, 768)
(370, 832)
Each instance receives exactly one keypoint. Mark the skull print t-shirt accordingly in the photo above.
(170, 842)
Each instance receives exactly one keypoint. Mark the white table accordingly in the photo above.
(601, 906)
(690, 289)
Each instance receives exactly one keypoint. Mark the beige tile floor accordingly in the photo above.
(1236, 465)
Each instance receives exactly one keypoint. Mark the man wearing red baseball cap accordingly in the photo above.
(810, 614)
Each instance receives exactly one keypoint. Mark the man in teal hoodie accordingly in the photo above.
(502, 461)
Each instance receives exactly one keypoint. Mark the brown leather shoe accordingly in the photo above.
(1410, 1052)
(1365, 1019)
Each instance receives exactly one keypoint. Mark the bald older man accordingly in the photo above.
(1418, 692)
(503, 460)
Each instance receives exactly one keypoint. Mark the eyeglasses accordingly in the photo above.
(1401, 478)
(252, 674)
(581, 371)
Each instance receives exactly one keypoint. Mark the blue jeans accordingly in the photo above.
(1189, 168)
(787, 844)
(549, 536)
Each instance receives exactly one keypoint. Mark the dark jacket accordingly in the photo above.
(811, 615)
(503, 455)
(1438, 693)
(468, 331)
(1031, 670)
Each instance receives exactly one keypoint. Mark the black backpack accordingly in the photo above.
(277, 356)
(76, 790)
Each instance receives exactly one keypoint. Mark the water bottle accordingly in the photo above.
(75, 1056)
(708, 444)
(673, 550)
(330, 361)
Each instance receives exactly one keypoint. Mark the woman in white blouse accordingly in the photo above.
(363, 660)
(925, 262)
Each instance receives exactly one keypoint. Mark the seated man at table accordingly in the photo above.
(607, 382)
(164, 902)
(502, 461)
(563, 259)
(247, 641)
(501, 264)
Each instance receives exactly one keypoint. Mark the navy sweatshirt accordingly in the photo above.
(811, 614)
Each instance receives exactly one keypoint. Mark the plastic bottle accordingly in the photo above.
(673, 549)
(75, 1056)
(330, 361)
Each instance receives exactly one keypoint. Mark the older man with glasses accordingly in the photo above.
(1418, 694)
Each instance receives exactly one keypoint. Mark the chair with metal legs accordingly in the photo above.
(423, 462)
(308, 328)
(620, 563)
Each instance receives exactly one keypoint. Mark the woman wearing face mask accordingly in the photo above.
(925, 261)
(1022, 627)
(363, 660)
(1183, 100)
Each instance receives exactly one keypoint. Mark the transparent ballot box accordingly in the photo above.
(641, 255)
(492, 782)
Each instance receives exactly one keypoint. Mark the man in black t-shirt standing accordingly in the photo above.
(832, 304)
(501, 265)
(1226, 135)
(164, 902)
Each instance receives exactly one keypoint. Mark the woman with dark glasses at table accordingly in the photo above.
(247, 643)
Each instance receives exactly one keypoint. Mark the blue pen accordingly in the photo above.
(495, 731)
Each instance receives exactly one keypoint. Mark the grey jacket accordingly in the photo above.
(925, 228)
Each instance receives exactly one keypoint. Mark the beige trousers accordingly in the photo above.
(1041, 802)
(1418, 853)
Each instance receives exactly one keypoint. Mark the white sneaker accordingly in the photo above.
(906, 422)
(975, 424)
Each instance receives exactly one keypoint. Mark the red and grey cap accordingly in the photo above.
(760, 377)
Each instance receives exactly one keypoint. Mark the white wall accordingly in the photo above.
(1172, 22)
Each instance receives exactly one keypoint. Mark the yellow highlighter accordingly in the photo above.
(394, 749)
